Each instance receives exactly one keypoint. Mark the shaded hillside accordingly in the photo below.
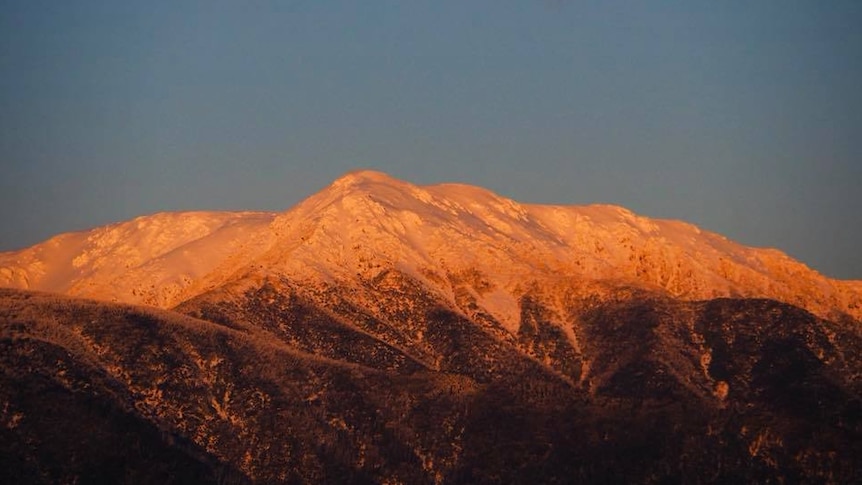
(281, 387)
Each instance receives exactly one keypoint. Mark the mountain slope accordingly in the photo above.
(367, 223)
(764, 392)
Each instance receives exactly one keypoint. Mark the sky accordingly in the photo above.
(744, 118)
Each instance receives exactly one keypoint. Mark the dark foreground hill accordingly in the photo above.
(272, 387)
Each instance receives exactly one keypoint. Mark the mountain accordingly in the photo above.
(366, 223)
(382, 332)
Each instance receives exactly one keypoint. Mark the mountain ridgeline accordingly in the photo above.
(383, 332)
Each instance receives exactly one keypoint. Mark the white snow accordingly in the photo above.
(367, 221)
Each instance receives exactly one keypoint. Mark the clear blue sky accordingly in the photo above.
(742, 117)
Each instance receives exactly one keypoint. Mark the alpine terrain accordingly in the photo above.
(384, 332)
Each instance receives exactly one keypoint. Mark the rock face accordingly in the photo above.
(381, 332)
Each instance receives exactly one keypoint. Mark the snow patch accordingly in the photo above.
(504, 307)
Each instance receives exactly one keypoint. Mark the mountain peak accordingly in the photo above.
(363, 177)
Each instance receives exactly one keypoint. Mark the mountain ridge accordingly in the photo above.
(367, 219)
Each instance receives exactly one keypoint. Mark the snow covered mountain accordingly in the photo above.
(476, 250)
(383, 332)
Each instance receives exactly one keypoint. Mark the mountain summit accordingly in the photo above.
(367, 222)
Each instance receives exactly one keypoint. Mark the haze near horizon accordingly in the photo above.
(741, 119)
